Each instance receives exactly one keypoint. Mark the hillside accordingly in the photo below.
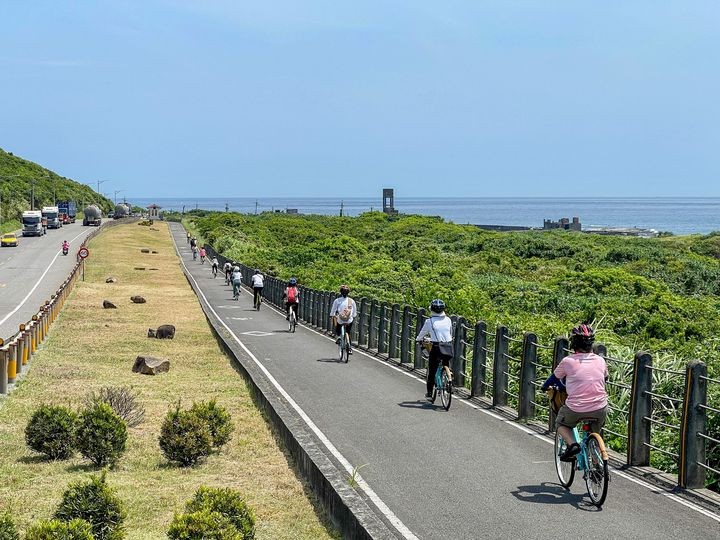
(16, 176)
(662, 294)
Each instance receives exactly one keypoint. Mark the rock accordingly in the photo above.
(165, 331)
(144, 250)
(139, 268)
(137, 299)
(154, 229)
(110, 280)
(153, 269)
(153, 251)
(107, 304)
(149, 365)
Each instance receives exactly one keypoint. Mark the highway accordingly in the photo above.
(465, 473)
(33, 271)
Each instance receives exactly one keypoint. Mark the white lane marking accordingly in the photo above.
(522, 428)
(362, 484)
(257, 333)
(36, 284)
(241, 318)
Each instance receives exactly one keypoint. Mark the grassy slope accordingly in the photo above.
(90, 347)
(15, 176)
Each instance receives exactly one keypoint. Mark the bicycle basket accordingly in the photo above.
(557, 398)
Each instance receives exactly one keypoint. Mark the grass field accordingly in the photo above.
(90, 347)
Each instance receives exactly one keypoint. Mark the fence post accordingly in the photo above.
(20, 344)
(405, 336)
(458, 361)
(694, 423)
(315, 308)
(477, 381)
(392, 340)
(373, 331)
(638, 452)
(559, 352)
(12, 363)
(500, 367)
(3, 370)
(526, 400)
(362, 325)
(419, 321)
(328, 306)
(382, 329)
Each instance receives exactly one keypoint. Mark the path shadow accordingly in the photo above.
(33, 459)
(83, 467)
(420, 404)
(552, 493)
(329, 360)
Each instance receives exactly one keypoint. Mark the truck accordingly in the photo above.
(32, 223)
(122, 210)
(68, 211)
(52, 214)
(93, 215)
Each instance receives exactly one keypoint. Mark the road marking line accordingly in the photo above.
(36, 284)
(362, 484)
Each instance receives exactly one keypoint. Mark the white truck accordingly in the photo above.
(32, 223)
(52, 215)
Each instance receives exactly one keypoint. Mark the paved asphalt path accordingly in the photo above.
(36, 265)
(466, 473)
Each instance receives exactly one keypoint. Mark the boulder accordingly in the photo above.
(107, 304)
(111, 279)
(139, 268)
(137, 299)
(144, 250)
(153, 251)
(149, 365)
(164, 331)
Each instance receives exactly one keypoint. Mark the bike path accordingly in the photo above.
(466, 473)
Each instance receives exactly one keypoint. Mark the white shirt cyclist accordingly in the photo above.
(257, 280)
(339, 305)
(438, 327)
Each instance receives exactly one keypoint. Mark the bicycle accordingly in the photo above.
(443, 380)
(592, 460)
(292, 318)
(257, 300)
(214, 271)
(344, 344)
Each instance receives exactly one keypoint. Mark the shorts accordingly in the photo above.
(569, 418)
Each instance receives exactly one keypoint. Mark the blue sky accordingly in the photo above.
(275, 98)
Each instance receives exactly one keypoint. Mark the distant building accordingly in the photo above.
(563, 223)
(153, 211)
(291, 211)
(389, 202)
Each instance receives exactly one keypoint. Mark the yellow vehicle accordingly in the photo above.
(9, 239)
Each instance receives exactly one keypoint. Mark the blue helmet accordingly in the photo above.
(292, 282)
(437, 306)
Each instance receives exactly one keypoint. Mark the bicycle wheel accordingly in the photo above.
(446, 389)
(597, 474)
(341, 344)
(293, 321)
(347, 347)
(565, 469)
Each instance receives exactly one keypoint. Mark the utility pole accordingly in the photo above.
(256, 205)
(227, 206)
(32, 194)
(342, 205)
(116, 192)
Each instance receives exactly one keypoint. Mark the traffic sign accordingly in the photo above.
(83, 252)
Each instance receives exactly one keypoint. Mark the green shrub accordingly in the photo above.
(185, 437)
(217, 419)
(227, 502)
(101, 435)
(203, 525)
(96, 502)
(76, 529)
(8, 531)
(122, 400)
(51, 431)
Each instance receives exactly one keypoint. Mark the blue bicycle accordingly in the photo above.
(443, 380)
(592, 460)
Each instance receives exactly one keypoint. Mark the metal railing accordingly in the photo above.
(508, 370)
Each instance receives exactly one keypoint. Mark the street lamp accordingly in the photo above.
(116, 192)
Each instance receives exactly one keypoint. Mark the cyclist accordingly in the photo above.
(215, 264)
(202, 255)
(343, 312)
(227, 270)
(236, 278)
(188, 238)
(291, 297)
(439, 329)
(194, 251)
(193, 242)
(257, 285)
(584, 374)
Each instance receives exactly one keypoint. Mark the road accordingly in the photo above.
(465, 473)
(33, 271)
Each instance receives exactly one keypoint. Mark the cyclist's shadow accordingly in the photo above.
(421, 404)
(552, 493)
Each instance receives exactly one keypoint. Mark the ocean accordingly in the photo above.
(677, 215)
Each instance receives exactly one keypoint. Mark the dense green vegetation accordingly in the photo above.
(16, 178)
(661, 294)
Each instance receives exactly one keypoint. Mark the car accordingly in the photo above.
(9, 239)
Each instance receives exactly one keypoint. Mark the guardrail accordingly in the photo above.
(17, 351)
(508, 370)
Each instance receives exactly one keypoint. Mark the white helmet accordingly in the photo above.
(236, 269)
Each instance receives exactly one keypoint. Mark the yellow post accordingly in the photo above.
(33, 334)
(25, 345)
